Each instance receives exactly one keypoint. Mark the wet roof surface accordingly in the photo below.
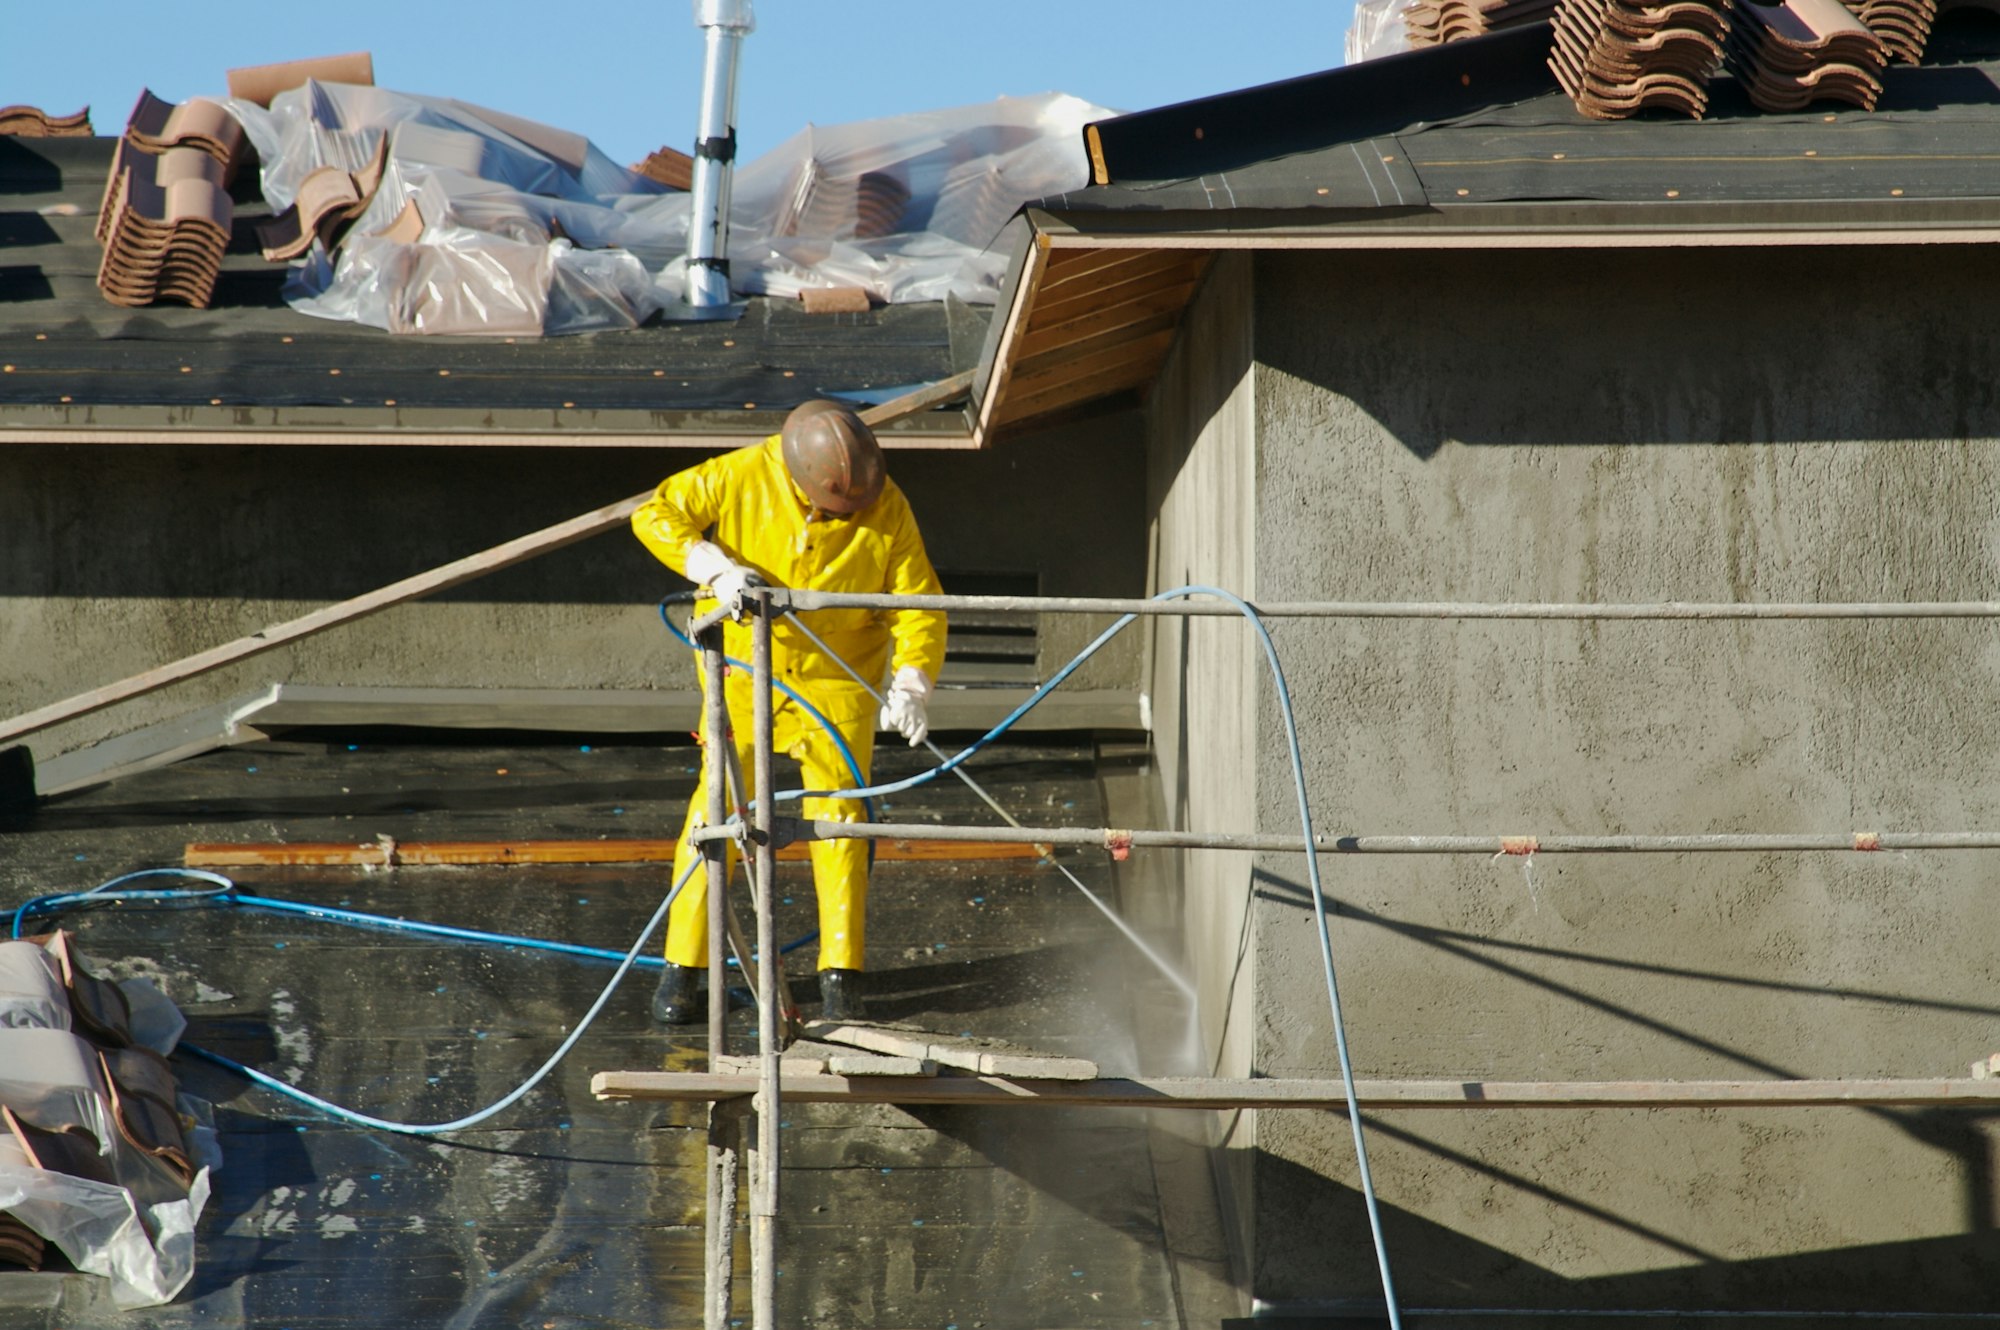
(66, 346)
(564, 1211)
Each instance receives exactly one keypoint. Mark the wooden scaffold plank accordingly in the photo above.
(1196, 1092)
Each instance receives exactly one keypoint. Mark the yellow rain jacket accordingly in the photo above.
(745, 502)
(760, 519)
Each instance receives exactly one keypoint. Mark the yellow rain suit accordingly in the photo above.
(745, 502)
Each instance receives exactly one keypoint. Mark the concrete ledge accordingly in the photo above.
(556, 710)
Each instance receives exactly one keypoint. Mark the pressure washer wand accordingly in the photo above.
(1047, 852)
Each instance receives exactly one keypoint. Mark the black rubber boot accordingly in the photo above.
(840, 995)
(673, 1000)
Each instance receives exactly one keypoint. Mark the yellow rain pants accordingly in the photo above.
(840, 867)
(745, 502)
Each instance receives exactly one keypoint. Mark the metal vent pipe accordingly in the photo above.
(724, 23)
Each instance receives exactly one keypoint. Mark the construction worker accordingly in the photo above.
(811, 507)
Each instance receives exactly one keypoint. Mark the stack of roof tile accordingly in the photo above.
(1435, 22)
(32, 122)
(1903, 25)
(1800, 51)
(164, 226)
(166, 216)
(1615, 57)
(157, 125)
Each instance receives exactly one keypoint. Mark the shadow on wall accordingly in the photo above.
(1451, 1268)
(1434, 1266)
(1608, 346)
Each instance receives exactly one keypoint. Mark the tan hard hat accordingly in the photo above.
(833, 457)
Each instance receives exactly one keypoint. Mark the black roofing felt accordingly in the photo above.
(1483, 122)
(67, 345)
(563, 1210)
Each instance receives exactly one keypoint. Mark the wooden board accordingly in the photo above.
(421, 853)
(985, 1057)
(1084, 297)
(1219, 1093)
(1127, 374)
(810, 1058)
(1167, 300)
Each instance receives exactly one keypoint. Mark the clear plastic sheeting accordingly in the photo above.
(146, 1251)
(1377, 30)
(907, 207)
(131, 1220)
(529, 229)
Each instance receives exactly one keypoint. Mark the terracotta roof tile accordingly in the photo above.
(260, 83)
(21, 1248)
(166, 215)
(1435, 22)
(97, 1007)
(1614, 58)
(330, 200)
(69, 1149)
(32, 122)
(1801, 51)
(156, 126)
(669, 167)
(142, 1106)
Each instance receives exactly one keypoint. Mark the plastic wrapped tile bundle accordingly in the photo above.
(1615, 58)
(1436, 22)
(1801, 51)
(529, 229)
(906, 208)
(1378, 28)
(100, 1156)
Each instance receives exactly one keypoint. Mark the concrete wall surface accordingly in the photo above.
(1603, 426)
(1204, 678)
(117, 559)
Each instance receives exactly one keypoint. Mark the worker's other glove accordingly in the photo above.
(725, 578)
(904, 709)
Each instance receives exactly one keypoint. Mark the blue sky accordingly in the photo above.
(625, 72)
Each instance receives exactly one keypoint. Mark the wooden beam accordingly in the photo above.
(1197, 1092)
(1101, 349)
(423, 853)
(1167, 300)
(1027, 405)
(1093, 299)
(443, 578)
(1115, 367)
(1017, 316)
(988, 1057)
(1068, 266)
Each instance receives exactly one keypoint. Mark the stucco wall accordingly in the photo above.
(114, 560)
(1204, 681)
(1696, 425)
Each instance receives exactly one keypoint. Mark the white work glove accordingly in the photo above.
(725, 578)
(904, 708)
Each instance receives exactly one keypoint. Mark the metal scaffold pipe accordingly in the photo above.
(1119, 841)
(802, 600)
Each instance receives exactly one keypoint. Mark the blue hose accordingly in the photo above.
(832, 730)
(631, 957)
(102, 892)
